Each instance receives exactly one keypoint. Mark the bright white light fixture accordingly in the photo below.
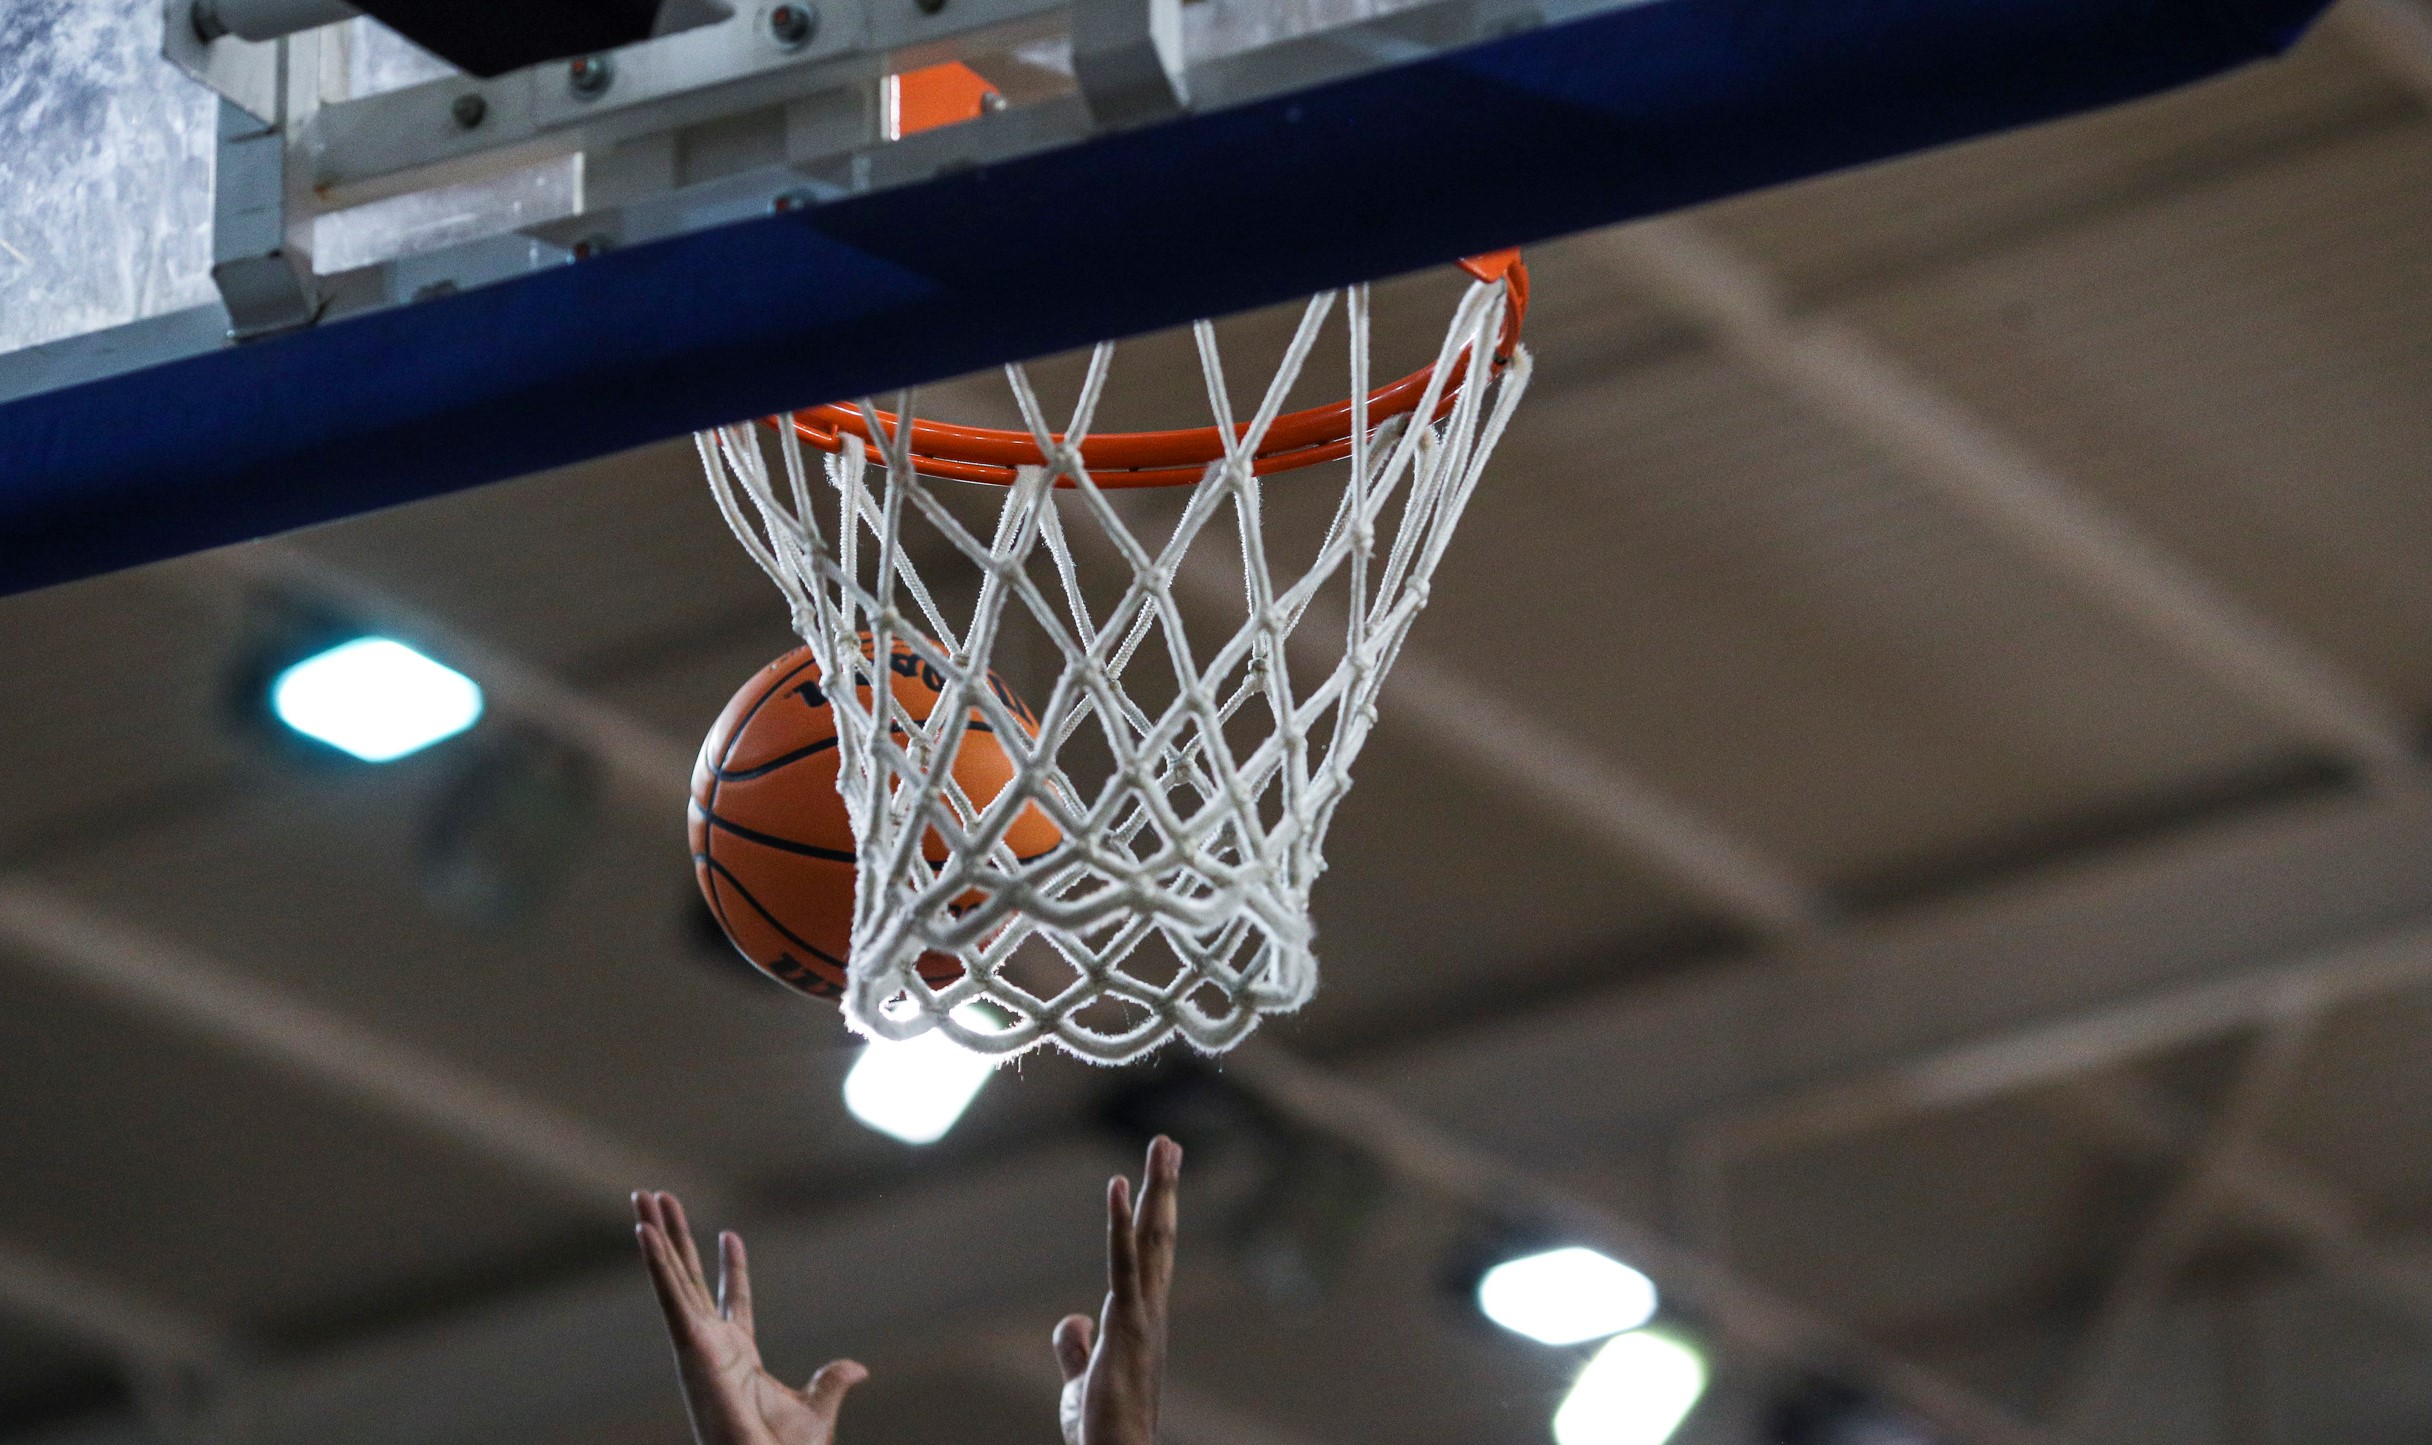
(1636, 1391)
(1564, 1296)
(915, 1090)
(375, 698)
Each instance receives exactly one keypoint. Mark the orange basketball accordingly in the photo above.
(772, 846)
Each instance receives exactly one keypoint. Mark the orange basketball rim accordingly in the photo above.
(1168, 458)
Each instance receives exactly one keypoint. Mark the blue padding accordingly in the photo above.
(1566, 127)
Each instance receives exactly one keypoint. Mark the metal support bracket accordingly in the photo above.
(261, 259)
(1127, 55)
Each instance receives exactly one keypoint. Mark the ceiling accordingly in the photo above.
(1907, 816)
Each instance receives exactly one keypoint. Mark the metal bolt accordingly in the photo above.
(793, 24)
(992, 101)
(469, 110)
(588, 75)
(930, 7)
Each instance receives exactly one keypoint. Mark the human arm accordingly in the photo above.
(1114, 1369)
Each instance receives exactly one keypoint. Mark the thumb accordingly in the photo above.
(1072, 1339)
(826, 1390)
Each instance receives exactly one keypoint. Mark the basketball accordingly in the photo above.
(772, 846)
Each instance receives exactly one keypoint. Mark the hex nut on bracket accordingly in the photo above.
(793, 24)
(589, 75)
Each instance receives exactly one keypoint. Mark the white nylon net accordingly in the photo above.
(1192, 779)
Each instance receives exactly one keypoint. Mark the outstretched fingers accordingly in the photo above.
(734, 1281)
(679, 1230)
(675, 1264)
(667, 1275)
(1122, 1251)
(1159, 1218)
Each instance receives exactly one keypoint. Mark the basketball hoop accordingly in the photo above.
(1177, 903)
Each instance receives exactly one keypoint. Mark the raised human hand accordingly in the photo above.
(1113, 1373)
(733, 1398)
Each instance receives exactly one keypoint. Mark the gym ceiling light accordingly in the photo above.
(375, 698)
(915, 1090)
(1566, 1296)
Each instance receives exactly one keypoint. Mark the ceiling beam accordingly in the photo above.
(50, 931)
(2086, 1054)
(1899, 1005)
(1855, 383)
(2081, 1043)
(2397, 34)
(1492, 735)
(1963, 1003)
(144, 1334)
(2177, 1226)
(2131, 1116)
(1742, 1311)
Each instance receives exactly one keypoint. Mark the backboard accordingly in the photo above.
(248, 284)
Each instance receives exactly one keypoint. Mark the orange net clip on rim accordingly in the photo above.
(1168, 458)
